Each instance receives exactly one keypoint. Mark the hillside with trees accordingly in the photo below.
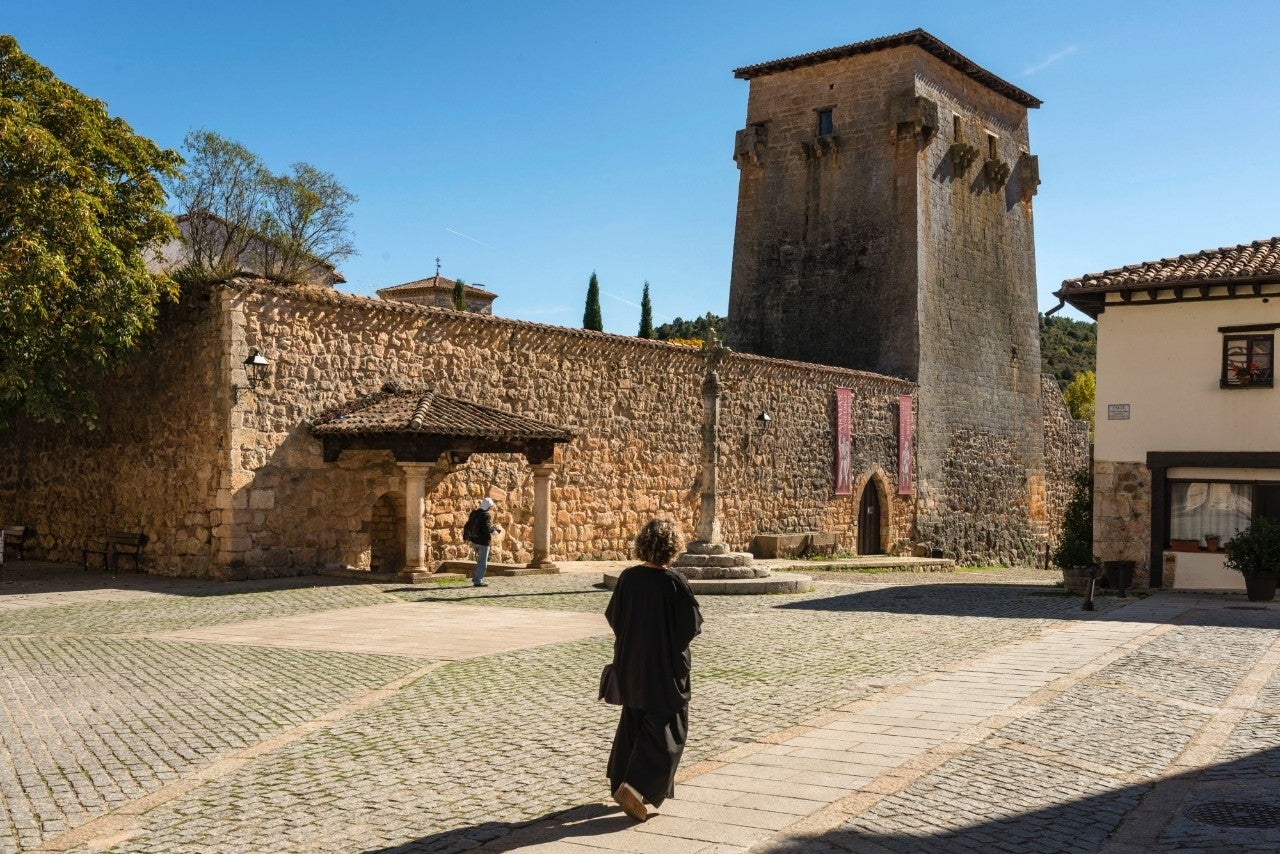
(1067, 347)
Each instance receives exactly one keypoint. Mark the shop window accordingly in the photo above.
(1247, 361)
(1199, 508)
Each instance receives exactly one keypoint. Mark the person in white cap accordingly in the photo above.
(479, 532)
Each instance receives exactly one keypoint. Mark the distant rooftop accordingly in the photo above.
(434, 283)
(919, 38)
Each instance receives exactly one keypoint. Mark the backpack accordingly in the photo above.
(471, 530)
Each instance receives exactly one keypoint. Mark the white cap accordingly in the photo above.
(486, 503)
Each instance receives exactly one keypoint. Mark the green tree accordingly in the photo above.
(460, 295)
(221, 193)
(306, 222)
(81, 204)
(591, 316)
(646, 314)
(1075, 548)
(1067, 347)
(695, 330)
(1079, 396)
(241, 216)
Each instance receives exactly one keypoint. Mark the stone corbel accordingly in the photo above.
(1028, 176)
(747, 144)
(962, 155)
(808, 151)
(915, 115)
(997, 171)
(827, 145)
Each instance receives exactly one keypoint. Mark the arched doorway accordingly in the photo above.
(869, 517)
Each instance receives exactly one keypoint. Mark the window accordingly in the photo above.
(992, 151)
(826, 126)
(1247, 361)
(1197, 508)
(957, 129)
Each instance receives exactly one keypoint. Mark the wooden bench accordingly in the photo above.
(15, 539)
(114, 545)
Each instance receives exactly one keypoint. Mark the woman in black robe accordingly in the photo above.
(654, 617)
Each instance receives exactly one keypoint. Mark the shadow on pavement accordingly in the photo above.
(1022, 601)
(1228, 807)
(566, 825)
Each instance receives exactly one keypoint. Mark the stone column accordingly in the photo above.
(542, 516)
(708, 517)
(415, 493)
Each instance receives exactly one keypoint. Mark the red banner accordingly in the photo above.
(844, 441)
(906, 445)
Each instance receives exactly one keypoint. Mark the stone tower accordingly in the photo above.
(884, 223)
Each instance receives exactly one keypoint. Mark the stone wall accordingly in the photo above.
(1122, 516)
(152, 463)
(1066, 451)
(636, 406)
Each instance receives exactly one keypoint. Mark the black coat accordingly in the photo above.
(479, 528)
(654, 616)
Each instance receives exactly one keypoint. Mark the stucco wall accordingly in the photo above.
(636, 404)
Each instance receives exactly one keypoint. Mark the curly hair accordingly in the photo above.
(658, 542)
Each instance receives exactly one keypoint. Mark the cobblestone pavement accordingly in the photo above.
(113, 739)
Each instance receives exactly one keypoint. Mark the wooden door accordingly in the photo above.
(869, 521)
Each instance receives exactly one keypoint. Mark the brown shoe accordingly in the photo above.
(629, 799)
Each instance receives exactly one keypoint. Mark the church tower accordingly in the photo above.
(885, 224)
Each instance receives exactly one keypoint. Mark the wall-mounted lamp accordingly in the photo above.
(763, 419)
(255, 367)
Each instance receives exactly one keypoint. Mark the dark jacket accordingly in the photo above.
(480, 528)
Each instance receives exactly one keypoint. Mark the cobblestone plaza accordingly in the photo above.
(965, 711)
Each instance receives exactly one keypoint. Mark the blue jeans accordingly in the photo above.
(482, 562)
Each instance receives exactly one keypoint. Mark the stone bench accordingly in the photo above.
(803, 544)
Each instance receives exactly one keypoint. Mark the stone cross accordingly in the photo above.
(708, 519)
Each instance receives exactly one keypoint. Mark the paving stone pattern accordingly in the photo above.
(96, 716)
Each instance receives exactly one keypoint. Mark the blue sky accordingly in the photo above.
(527, 144)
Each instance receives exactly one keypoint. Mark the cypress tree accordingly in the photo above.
(460, 295)
(646, 314)
(591, 317)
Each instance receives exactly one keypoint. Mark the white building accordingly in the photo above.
(1187, 440)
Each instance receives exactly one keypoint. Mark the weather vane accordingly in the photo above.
(437, 266)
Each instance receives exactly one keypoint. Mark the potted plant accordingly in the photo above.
(1074, 555)
(1255, 554)
(1211, 542)
(1178, 545)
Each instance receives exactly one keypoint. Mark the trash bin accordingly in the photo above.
(1118, 573)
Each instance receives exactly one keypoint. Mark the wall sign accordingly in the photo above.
(1117, 412)
(844, 441)
(906, 445)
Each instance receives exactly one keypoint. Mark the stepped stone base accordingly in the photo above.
(777, 582)
(703, 561)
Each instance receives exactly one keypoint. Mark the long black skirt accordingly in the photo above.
(646, 752)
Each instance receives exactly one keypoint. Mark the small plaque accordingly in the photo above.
(1117, 412)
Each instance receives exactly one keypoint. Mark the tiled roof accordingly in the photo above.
(1248, 262)
(423, 411)
(917, 37)
(434, 283)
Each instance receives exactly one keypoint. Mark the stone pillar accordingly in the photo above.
(415, 494)
(542, 517)
(708, 517)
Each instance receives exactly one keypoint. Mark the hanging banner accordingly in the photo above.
(844, 441)
(906, 445)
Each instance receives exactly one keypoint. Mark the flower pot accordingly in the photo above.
(1260, 586)
(1119, 573)
(1211, 543)
(1184, 545)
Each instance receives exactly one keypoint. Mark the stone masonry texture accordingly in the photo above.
(873, 248)
(227, 481)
